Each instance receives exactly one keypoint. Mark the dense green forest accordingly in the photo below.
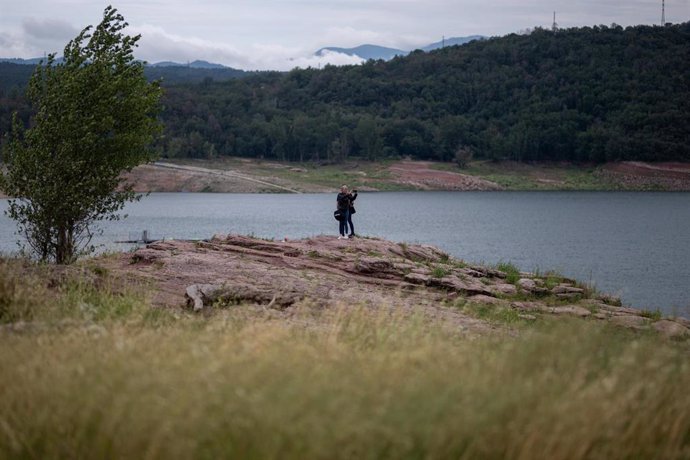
(589, 94)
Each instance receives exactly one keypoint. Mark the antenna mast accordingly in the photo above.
(663, 13)
(554, 26)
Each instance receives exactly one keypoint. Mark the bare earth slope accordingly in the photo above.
(640, 175)
(252, 176)
(242, 175)
(326, 272)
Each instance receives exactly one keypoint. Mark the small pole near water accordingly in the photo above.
(145, 236)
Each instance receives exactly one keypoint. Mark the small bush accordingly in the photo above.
(439, 272)
(463, 156)
(511, 271)
(652, 314)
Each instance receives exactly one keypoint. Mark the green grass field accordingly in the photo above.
(88, 371)
(543, 176)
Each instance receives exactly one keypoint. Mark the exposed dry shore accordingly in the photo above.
(238, 175)
(252, 176)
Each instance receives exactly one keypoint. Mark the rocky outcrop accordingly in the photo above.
(231, 270)
(671, 329)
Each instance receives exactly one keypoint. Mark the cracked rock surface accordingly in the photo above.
(232, 270)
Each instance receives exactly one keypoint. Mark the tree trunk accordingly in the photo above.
(64, 250)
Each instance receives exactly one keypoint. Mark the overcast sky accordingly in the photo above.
(282, 34)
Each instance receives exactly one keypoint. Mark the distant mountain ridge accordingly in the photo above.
(197, 64)
(377, 52)
(13, 74)
(31, 61)
(366, 52)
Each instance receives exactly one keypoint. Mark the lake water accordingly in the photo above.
(636, 245)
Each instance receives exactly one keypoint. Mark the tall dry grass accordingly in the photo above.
(354, 383)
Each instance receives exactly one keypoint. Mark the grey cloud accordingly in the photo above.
(49, 29)
(279, 34)
(157, 45)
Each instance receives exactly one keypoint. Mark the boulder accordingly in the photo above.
(595, 303)
(529, 306)
(527, 284)
(473, 273)
(482, 272)
(373, 265)
(503, 288)
(671, 329)
(454, 283)
(566, 289)
(422, 252)
(200, 295)
(630, 321)
(404, 267)
(619, 310)
(526, 316)
(148, 256)
(572, 310)
(682, 321)
(610, 299)
(480, 298)
(569, 296)
(532, 286)
(417, 278)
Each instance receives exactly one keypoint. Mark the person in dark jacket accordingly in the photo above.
(353, 197)
(344, 201)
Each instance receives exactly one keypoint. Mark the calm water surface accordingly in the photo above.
(636, 245)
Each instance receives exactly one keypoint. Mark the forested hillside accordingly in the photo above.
(587, 94)
(14, 78)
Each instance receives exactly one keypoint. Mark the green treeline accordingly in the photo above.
(588, 94)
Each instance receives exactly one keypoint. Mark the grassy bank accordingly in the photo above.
(91, 372)
(541, 176)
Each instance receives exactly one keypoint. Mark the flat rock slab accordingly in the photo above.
(485, 299)
(630, 321)
(503, 288)
(231, 270)
(530, 306)
(671, 329)
(572, 310)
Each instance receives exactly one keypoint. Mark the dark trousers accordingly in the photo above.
(349, 221)
(344, 221)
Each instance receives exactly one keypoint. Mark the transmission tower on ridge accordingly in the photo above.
(663, 13)
(554, 26)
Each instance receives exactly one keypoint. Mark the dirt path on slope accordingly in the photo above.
(168, 177)
(420, 175)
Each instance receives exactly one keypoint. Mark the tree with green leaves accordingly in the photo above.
(95, 118)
